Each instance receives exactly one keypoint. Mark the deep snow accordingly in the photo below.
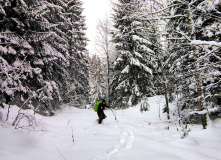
(136, 136)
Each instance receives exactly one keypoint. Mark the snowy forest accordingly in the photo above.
(44, 61)
(169, 48)
(157, 63)
(146, 48)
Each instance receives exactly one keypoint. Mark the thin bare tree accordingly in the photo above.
(104, 47)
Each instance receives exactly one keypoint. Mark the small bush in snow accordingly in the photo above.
(29, 122)
(144, 106)
(184, 131)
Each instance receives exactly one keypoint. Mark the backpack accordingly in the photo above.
(96, 106)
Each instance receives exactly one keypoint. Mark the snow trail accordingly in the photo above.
(125, 142)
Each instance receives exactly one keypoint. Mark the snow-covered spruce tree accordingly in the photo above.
(35, 53)
(61, 52)
(188, 25)
(54, 49)
(134, 64)
(152, 11)
(154, 34)
(79, 57)
(21, 74)
(51, 50)
(97, 81)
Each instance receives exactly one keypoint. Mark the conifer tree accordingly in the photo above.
(21, 71)
(52, 50)
(79, 57)
(36, 54)
(135, 56)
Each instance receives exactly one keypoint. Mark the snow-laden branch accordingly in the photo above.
(211, 110)
(209, 43)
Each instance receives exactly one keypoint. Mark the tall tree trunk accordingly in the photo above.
(167, 102)
(199, 92)
(166, 97)
(196, 66)
(108, 78)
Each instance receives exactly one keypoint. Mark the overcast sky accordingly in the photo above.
(94, 10)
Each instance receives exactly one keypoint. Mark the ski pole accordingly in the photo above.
(114, 114)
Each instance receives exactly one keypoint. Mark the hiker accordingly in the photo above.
(100, 111)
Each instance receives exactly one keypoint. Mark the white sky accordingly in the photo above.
(94, 10)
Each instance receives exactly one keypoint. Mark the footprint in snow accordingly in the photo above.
(125, 142)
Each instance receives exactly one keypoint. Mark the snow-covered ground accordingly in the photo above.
(136, 136)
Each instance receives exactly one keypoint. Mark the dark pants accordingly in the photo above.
(101, 117)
